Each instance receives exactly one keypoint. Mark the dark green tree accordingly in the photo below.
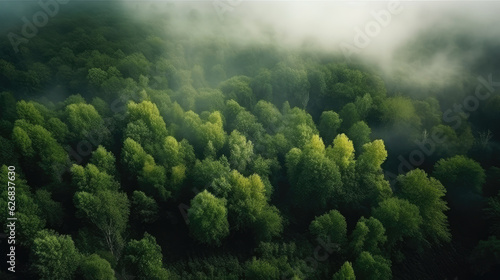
(208, 218)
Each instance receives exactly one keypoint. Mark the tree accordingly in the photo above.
(298, 127)
(104, 160)
(400, 112)
(291, 82)
(331, 227)
(314, 177)
(209, 100)
(342, 152)
(240, 151)
(27, 111)
(55, 256)
(268, 224)
(246, 199)
(143, 259)
(359, 133)
(238, 88)
(208, 218)
(144, 209)
(108, 212)
(400, 218)
(96, 76)
(91, 179)
(261, 270)
(85, 122)
(51, 211)
(94, 267)
(58, 129)
(427, 194)
(329, 124)
(368, 235)
(369, 172)
(28, 213)
(268, 115)
(261, 85)
(349, 115)
(133, 156)
(460, 173)
(146, 125)
(200, 132)
(38, 145)
(205, 171)
(247, 204)
(486, 255)
(372, 267)
(345, 273)
(134, 65)
(152, 179)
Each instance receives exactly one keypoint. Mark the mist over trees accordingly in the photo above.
(147, 148)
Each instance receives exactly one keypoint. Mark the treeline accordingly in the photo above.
(140, 153)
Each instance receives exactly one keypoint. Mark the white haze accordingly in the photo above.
(324, 25)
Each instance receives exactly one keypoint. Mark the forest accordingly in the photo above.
(138, 142)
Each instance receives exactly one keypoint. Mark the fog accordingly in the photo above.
(429, 44)
(424, 43)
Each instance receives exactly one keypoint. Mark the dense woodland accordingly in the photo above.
(141, 151)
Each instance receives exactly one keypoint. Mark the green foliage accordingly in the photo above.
(315, 178)
(134, 65)
(200, 113)
(372, 267)
(94, 267)
(104, 160)
(369, 171)
(36, 143)
(208, 218)
(91, 179)
(291, 83)
(342, 151)
(368, 235)
(345, 273)
(96, 76)
(29, 216)
(247, 204)
(259, 269)
(133, 156)
(399, 111)
(58, 129)
(50, 210)
(486, 255)
(329, 124)
(460, 173)
(238, 88)
(349, 115)
(400, 218)
(108, 212)
(200, 132)
(204, 172)
(144, 209)
(331, 226)
(240, 151)
(28, 112)
(143, 259)
(360, 134)
(146, 126)
(55, 256)
(268, 115)
(428, 195)
(84, 121)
